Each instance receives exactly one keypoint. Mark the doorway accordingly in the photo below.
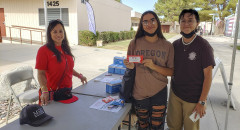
(2, 22)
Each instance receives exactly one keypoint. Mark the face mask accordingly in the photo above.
(150, 34)
(188, 35)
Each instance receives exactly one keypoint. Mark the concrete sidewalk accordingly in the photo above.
(92, 61)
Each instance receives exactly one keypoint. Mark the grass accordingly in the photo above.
(169, 35)
(238, 47)
(123, 45)
(120, 45)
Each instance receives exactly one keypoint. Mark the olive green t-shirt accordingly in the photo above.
(149, 82)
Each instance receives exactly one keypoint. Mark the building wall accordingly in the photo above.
(135, 19)
(165, 28)
(109, 16)
(174, 27)
(231, 26)
(206, 26)
(25, 13)
(177, 29)
(136, 14)
(135, 23)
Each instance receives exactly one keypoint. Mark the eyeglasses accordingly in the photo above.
(190, 22)
(146, 22)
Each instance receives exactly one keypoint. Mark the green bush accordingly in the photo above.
(105, 37)
(116, 36)
(98, 36)
(121, 35)
(87, 38)
(125, 35)
(111, 36)
(101, 36)
(133, 33)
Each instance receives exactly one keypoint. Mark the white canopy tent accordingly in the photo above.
(233, 55)
(233, 63)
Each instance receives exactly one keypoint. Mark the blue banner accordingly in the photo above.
(91, 19)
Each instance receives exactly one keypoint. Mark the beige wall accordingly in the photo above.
(136, 14)
(25, 13)
(135, 19)
(109, 16)
(207, 25)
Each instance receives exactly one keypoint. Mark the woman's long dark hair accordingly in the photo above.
(50, 43)
(140, 31)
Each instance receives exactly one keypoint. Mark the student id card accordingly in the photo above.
(135, 58)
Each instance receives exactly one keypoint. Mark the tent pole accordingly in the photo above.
(45, 14)
(233, 63)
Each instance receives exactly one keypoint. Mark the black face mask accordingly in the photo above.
(150, 34)
(188, 35)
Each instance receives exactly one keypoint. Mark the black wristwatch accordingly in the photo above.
(202, 102)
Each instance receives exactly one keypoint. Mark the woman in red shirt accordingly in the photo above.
(55, 62)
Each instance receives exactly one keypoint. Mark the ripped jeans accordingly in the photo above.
(151, 111)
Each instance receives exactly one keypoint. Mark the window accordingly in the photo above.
(134, 24)
(54, 13)
(83, 1)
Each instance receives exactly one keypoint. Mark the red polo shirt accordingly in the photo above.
(46, 60)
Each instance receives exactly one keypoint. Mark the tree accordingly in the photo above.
(223, 8)
(119, 1)
(204, 9)
(171, 9)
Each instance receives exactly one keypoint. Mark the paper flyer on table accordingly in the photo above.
(104, 80)
(100, 105)
(107, 79)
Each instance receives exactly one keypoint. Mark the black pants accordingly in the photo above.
(151, 111)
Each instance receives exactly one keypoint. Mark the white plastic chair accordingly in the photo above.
(21, 74)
